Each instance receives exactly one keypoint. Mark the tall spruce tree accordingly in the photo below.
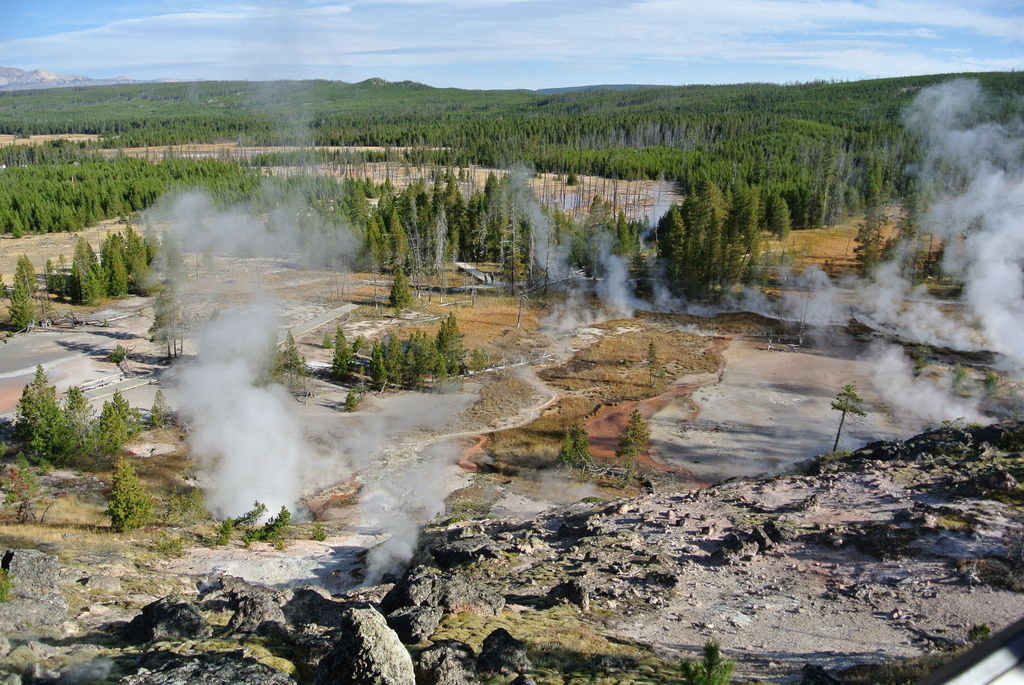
(22, 310)
(129, 506)
(342, 359)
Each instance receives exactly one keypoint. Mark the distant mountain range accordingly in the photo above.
(17, 79)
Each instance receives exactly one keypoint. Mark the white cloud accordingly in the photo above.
(275, 39)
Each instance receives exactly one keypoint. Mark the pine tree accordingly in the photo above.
(395, 357)
(711, 670)
(378, 367)
(342, 361)
(160, 413)
(116, 272)
(401, 295)
(847, 402)
(22, 312)
(118, 423)
(289, 361)
(39, 423)
(129, 506)
(168, 320)
(78, 421)
(779, 219)
(352, 400)
(450, 351)
(633, 441)
(575, 449)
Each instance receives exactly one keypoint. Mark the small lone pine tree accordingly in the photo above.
(711, 670)
(129, 506)
(352, 400)
(401, 295)
(575, 450)
(160, 412)
(341, 362)
(847, 401)
(652, 361)
(21, 311)
(633, 441)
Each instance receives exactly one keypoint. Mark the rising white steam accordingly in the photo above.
(917, 401)
(973, 169)
(243, 431)
(400, 504)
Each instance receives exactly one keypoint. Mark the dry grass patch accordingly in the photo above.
(615, 368)
(501, 398)
(541, 437)
(561, 645)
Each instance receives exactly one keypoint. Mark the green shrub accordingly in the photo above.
(318, 532)
(711, 670)
(272, 531)
(979, 632)
(168, 545)
(227, 527)
(186, 508)
(5, 586)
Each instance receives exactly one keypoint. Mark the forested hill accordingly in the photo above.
(821, 147)
(377, 112)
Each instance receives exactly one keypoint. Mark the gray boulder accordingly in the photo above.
(415, 624)
(35, 597)
(257, 613)
(446, 662)
(573, 592)
(168, 618)
(418, 586)
(502, 653)
(465, 550)
(457, 594)
(368, 652)
(32, 571)
(453, 593)
(312, 606)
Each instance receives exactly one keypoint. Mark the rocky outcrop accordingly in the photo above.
(35, 595)
(452, 592)
(258, 613)
(168, 618)
(446, 662)
(415, 624)
(465, 551)
(502, 653)
(368, 652)
(220, 669)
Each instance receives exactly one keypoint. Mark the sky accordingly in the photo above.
(513, 43)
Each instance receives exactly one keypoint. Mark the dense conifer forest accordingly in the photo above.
(753, 160)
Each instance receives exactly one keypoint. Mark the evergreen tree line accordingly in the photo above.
(714, 240)
(123, 266)
(810, 143)
(66, 432)
(410, 362)
(47, 198)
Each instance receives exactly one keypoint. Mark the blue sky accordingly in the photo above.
(513, 43)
